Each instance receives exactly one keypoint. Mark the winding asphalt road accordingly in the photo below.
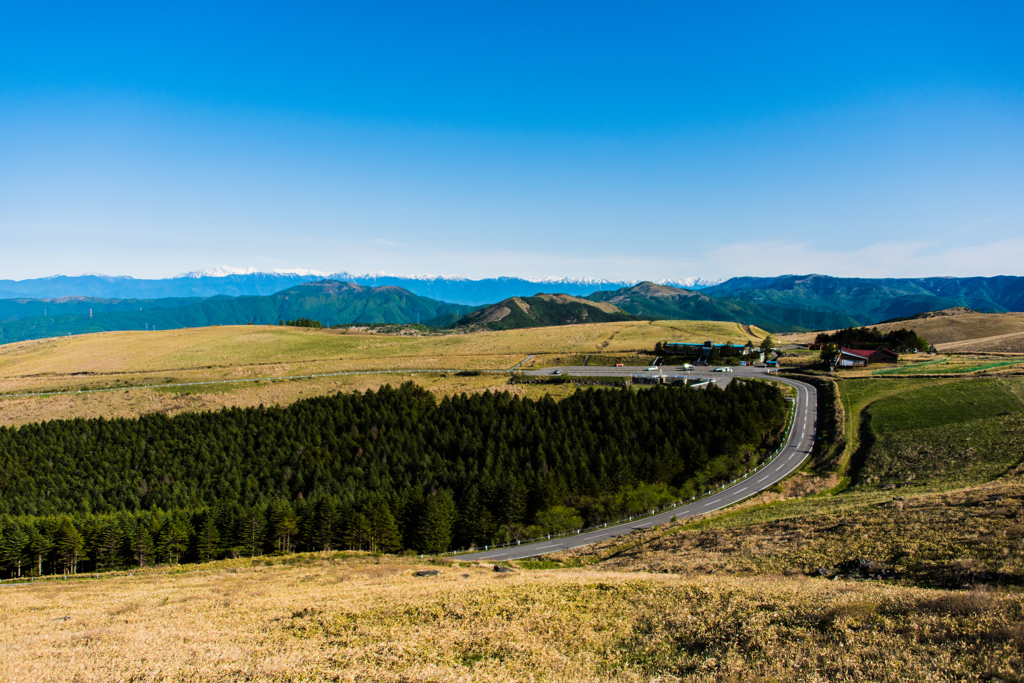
(796, 449)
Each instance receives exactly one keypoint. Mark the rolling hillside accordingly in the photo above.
(869, 301)
(16, 309)
(954, 329)
(661, 301)
(543, 310)
(328, 301)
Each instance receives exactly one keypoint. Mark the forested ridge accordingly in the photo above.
(386, 470)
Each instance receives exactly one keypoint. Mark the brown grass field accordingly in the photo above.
(124, 360)
(945, 330)
(331, 618)
(786, 587)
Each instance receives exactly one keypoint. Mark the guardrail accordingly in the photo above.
(487, 548)
(693, 499)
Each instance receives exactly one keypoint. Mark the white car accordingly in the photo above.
(723, 370)
(687, 366)
(557, 372)
(653, 367)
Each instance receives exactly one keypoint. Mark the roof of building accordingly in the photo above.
(864, 353)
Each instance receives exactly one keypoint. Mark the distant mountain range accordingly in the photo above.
(661, 301)
(786, 303)
(872, 300)
(328, 301)
(16, 309)
(248, 282)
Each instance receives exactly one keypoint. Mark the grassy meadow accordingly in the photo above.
(125, 360)
(946, 331)
(332, 617)
(936, 432)
(904, 563)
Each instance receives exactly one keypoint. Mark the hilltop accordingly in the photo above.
(543, 310)
(962, 329)
(662, 301)
(955, 329)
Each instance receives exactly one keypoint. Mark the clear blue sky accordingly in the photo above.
(625, 140)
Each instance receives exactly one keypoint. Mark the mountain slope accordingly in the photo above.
(542, 310)
(650, 299)
(872, 300)
(16, 309)
(328, 301)
(235, 282)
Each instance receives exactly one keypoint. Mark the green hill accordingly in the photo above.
(328, 301)
(543, 310)
(869, 301)
(16, 309)
(649, 299)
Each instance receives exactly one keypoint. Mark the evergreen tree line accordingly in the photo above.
(301, 322)
(386, 470)
(900, 341)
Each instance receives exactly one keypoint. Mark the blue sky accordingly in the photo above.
(629, 140)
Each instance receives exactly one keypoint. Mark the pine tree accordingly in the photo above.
(174, 538)
(514, 506)
(13, 546)
(476, 524)
(437, 521)
(68, 544)
(384, 535)
(142, 545)
(39, 545)
(254, 530)
(285, 525)
(208, 538)
(357, 532)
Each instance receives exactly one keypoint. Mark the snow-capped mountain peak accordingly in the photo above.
(688, 282)
(220, 271)
(224, 271)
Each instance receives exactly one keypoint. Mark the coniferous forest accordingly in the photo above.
(388, 470)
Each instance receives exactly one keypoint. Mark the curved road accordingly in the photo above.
(796, 449)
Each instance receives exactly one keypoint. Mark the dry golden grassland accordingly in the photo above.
(947, 331)
(729, 597)
(952, 539)
(130, 359)
(318, 618)
(1004, 343)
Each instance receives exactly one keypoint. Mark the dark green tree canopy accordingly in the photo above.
(381, 470)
